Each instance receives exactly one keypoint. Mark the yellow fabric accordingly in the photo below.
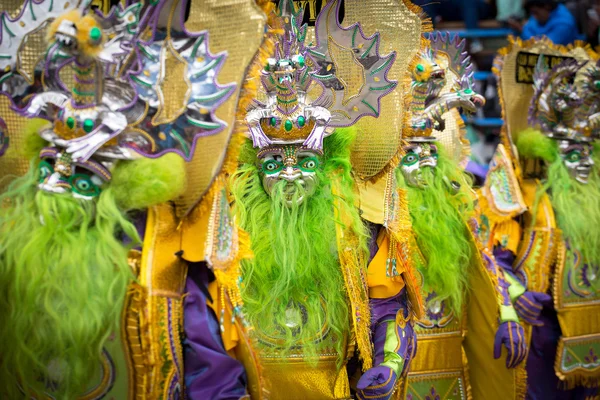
(380, 285)
(371, 200)
(295, 379)
(230, 333)
(508, 234)
(163, 273)
(194, 235)
(490, 379)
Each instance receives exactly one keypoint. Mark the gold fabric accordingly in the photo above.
(12, 163)
(537, 250)
(400, 26)
(489, 377)
(235, 26)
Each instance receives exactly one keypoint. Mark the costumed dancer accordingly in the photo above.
(541, 205)
(290, 255)
(86, 311)
(458, 276)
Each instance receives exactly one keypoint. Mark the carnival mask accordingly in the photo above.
(294, 164)
(417, 155)
(59, 174)
(577, 157)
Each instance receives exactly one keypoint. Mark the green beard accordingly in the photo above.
(295, 260)
(441, 231)
(577, 209)
(62, 287)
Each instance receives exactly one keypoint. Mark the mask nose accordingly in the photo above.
(51, 184)
(428, 161)
(290, 174)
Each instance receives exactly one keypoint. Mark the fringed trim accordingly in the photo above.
(465, 361)
(426, 23)
(248, 93)
(135, 331)
(354, 270)
(405, 83)
(465, 150)
(579, 377)
(520, 381)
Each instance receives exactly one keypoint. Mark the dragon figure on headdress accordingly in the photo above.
(115, 108)
(445, 55)
(589, 113)
(555, 98)
(288, 114)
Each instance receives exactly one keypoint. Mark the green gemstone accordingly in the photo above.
(267, 68)
(300, 61)
(273, 121)
(301, 121)
(88, 125)
(95, 34)
(468, 91)
(420, 68)
(288, 125)
(597, 84)
(70, 122)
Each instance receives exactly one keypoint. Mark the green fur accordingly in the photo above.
(442, 233)
(577, 209)
(532, 143)
(33, 141)
(62, 285)
(147, 181)
(295, 251)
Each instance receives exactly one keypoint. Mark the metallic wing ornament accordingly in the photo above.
(289, 115)
(112, 106)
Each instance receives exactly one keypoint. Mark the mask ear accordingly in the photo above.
(532, 143)
(148, 181)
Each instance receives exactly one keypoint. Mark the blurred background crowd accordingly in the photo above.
(486, 25)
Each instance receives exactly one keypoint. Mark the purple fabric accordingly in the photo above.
(502, 288)
(478, 171)
(504, 258)
(529, 306)
(379, 382)
(512, 336)
(210, 373)
(374, 232)
(542, 382)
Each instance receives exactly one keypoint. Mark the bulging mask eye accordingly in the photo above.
(271, 167)
(410, 159)
(309, 164)
(573, 156)
(83, 185)
(46, 169)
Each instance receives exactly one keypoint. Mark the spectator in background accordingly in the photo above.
(548, 18)
(593, 23)
(509, 9)
(469, 11)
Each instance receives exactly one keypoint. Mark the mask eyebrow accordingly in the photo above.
(410, 147)
(575, 146)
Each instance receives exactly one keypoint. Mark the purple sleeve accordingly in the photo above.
(210, 373)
